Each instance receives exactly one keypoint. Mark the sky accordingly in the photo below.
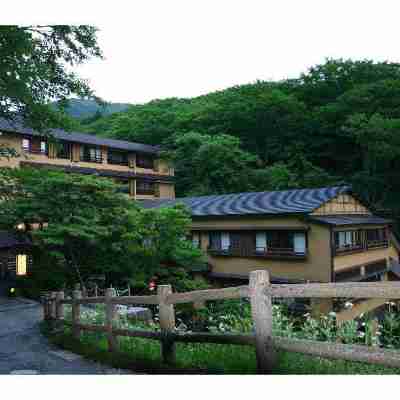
(161, 49)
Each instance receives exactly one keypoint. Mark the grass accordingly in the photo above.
(143, 355)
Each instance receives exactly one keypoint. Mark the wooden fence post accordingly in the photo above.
(95, 290)
(76, 311)
(167, 324)
(110, 317)
(261, 310)
(59, 306)
(46, 307)
(53, 305)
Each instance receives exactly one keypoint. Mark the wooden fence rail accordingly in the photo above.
(260, 292)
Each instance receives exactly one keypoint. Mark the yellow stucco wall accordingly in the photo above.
(166, 190)
(317, 266)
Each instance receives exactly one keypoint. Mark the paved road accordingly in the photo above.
(23, 350)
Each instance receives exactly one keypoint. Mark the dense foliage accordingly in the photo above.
(89, 228)
(337, 123)
(90, 110)
(234, 316)
(35, 69)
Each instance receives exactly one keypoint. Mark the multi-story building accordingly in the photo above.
(137, 167)
(309, 235)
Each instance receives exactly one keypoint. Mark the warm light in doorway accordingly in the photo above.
(21, 264)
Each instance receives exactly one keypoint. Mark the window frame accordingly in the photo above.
(86, 156)
(145, 161)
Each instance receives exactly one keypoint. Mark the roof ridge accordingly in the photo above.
(19, 127)
(266, 191)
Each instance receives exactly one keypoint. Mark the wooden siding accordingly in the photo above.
(342, 204)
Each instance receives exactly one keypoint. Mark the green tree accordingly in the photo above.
(207, 164)
(90, 228)
(34, 70)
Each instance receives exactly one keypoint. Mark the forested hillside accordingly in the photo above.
(89, 109)
(338, 123)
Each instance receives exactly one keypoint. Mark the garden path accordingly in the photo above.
(24, 350)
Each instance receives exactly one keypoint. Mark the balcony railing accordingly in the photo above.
(370, 244)
(271, 252)
(348, 248)
(373, 244)
(117, 162)
(145, 191)
(89, 158)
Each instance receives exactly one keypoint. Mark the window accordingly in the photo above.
(280, 240)
(144, 187)
(299, 243)
(196, 241)
(144, 161)
(64, 150)
(220, 241)
(21, 263)
(215, 241)
(376, 237)
(25, 144)
(34, 145)
(91, 154)
(261, 242)
(225, 241)
(347, 240)
(117, 157)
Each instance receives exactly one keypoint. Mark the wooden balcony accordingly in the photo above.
(374, 244)
(247, 252)
(357, 274)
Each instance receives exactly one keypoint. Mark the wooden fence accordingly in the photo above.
(260, 292)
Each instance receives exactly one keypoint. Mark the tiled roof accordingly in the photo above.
(254, 203)
(18, 127)
(10, 239)
(341, 220)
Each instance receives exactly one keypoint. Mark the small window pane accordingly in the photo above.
(300, 243)
(261, 241)
(25, 144)
(225, 241)
(196, 240)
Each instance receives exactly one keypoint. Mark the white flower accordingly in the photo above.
(361, 334)
(332, 314)
(348, 304)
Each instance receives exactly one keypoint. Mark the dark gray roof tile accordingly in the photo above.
(254, 203)
(84, 138)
